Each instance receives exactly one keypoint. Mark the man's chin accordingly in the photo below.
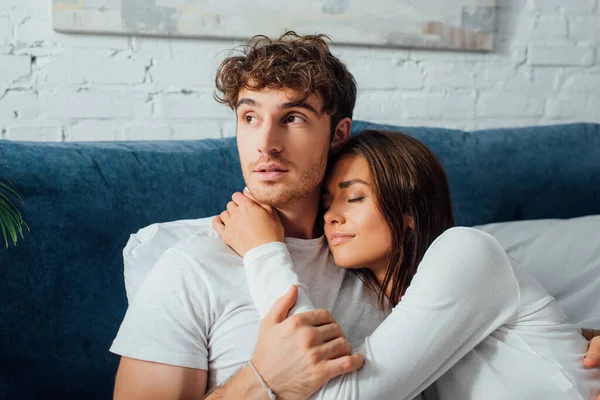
(271, 195)
(273, 200)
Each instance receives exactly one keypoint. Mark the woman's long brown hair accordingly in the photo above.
(408, 180)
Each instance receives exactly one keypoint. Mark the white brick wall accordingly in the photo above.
(545, 69)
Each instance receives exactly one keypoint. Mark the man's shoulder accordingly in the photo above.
(200, 265)
(205, 246)
(207, 257)
(182, 235)
(184, 244)
(174, 231)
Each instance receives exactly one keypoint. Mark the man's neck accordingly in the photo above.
(299, 218)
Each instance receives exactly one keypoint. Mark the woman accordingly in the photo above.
(463, 315)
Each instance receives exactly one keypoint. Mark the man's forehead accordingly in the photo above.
(278, 97)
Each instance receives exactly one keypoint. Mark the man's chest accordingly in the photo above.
(232, 337)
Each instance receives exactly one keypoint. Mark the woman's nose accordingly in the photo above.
(331, 217)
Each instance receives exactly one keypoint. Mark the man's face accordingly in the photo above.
(283, 145)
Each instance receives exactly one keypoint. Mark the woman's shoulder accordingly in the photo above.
(469, 244)
(466, 236)
(467, 266)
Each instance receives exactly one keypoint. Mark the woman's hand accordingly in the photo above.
(592, 357)
(247, 224)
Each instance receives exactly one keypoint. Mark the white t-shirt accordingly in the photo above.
(194, 308)
(471, 320)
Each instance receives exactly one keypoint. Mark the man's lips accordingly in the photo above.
(270, 176)
(339, 238)
(270, 171)
(270, 167)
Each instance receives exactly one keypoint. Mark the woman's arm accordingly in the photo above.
(464, 290)
(424, 331)
(255, 232)
(270, 273)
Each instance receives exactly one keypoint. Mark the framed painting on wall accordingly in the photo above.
(442, 24)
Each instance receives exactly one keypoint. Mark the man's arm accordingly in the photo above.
(137, 379)
(243, 385)
(144, 380)
(162, 341)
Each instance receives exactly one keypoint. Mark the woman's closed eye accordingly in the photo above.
(327, 202)
(356, 199)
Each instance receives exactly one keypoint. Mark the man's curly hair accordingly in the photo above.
(301, 63)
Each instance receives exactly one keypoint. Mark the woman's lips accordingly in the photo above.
(339, 238)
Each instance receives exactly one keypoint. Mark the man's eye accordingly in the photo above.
(249, 119)
(293, 118)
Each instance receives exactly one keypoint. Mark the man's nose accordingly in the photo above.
(270, 138)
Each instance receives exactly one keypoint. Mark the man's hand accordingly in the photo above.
(247, 224)
(297, 355)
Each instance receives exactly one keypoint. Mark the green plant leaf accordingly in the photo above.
(7, 206)
(11, 219)
(4, 232)
(9, 223)
(10, 187)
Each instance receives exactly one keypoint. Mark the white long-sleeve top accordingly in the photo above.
(470, 320)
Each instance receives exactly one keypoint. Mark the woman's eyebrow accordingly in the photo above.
(345, 184)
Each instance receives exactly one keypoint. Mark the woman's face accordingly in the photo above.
(357, 234)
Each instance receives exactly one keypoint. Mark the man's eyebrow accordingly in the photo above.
(247, 101)
(345, 184)
(300, 104)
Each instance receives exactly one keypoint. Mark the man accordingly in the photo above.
(192, 327)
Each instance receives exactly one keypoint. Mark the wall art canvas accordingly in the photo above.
(442, 24)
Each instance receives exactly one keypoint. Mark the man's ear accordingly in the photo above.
(341, 134)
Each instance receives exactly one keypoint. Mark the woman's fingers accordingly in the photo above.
(225, 216)
(240, 199)
(232, 207)
(247, 199)
(218, 225)
(592, 358)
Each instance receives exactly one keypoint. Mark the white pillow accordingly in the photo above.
(563, 255)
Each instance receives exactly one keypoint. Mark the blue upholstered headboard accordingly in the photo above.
(514, 174)
(62, 290)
